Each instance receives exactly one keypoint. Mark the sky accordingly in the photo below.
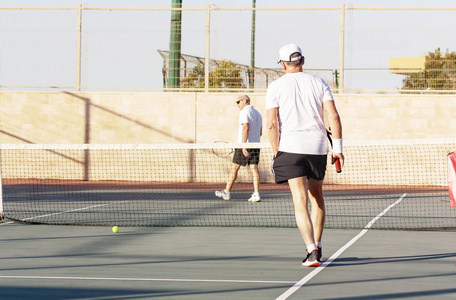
(119, 48)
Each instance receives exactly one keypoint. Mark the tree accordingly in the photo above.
(226, 76)
(195, 79)
(439, 73)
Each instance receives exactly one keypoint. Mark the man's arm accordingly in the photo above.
(245, 136)
(336, 127)
(272, 125)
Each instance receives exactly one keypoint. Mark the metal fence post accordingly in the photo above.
(207, 56)
(78, 50)
(252, 49)
(341, 50)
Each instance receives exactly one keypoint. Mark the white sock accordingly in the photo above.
(311, 248)
(318, 244)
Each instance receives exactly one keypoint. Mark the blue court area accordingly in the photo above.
(181, 242)
(185, 205)
(82, 262)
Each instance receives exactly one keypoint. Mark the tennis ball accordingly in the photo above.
(115, 229)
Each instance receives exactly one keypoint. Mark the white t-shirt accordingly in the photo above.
(300, 97)
(253, 117)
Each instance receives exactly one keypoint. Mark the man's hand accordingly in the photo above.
(245, 152)
(340, 157)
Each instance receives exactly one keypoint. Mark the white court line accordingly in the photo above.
(6, 223)
(284, 296)
(65, 212)
(142, 279)
(312, 274)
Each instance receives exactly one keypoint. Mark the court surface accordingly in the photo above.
(176, 205)
(79, 262)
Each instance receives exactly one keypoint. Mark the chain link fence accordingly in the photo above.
(87, 48)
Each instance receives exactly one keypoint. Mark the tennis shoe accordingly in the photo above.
(255, 197)
(320, 254)
(223, 194)
(311, 260)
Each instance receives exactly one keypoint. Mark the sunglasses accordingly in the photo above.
(239, 101)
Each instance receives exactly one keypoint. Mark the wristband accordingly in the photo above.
(337, 146)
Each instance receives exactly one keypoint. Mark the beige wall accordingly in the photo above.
(64, 117)
(43, 117)
(132, 118)
(388, 117)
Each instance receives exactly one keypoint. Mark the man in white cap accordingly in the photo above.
(295, 104)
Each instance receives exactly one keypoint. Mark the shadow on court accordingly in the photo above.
(74, 262)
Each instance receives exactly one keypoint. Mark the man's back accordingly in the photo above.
(299, 98)
(300, 146)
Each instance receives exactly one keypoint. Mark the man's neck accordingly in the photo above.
(293, 70)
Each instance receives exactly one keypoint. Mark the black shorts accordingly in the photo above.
(291, 165)
(240, 159)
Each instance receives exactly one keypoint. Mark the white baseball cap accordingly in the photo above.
(286, 51)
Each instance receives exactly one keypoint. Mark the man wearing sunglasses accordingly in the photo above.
(250, 130)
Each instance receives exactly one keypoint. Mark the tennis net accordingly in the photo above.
(174, 184)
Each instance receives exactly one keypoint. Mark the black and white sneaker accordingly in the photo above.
(311, 260)
(320, 254)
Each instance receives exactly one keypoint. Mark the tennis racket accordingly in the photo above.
(337, 162)
(221, 149)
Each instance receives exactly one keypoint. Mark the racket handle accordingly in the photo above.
(338, 168)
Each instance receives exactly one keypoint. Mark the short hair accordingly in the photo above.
(295, 63)
(247, 99)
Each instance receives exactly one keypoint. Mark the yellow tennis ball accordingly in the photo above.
(115, 229)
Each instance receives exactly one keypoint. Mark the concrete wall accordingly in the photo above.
(105, 118)
(391, 117)
(149, 118)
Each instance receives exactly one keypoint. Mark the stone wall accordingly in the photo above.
(113, 118)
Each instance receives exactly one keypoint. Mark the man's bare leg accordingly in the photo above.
(256, 178)
(318, 211)
(232, 177)
(298, 187)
